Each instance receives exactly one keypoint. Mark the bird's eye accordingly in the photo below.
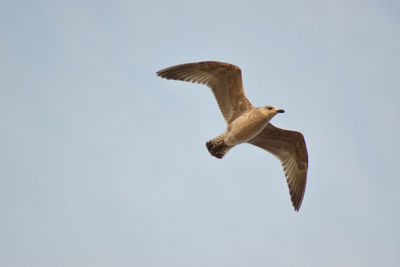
(269, 108)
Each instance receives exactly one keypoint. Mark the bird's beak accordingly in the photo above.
(280, 111)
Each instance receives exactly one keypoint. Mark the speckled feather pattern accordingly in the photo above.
(247, 123)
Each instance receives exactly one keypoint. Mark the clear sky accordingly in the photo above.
(102, 163)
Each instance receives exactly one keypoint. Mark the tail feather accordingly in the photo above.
(217, 147)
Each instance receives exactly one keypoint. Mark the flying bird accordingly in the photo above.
(246, 123)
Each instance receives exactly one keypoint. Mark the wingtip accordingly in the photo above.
(297, 205)
(161, 74)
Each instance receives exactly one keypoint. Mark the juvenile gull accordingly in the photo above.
(247, 123)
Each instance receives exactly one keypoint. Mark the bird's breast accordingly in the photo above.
(245, 128)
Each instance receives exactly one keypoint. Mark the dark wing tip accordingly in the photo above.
(165, 73)
(206, 66)
(169, 72)
(297, 196)
(296, 205)
(295, 201)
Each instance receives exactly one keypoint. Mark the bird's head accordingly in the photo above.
(271, 111)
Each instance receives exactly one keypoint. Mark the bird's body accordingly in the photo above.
(247, 126)
(245, 122)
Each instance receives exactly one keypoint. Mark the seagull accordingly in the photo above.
(246, 123)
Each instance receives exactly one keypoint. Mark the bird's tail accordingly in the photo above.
(217, 147)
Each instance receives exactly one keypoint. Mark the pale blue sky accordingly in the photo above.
(104, 164)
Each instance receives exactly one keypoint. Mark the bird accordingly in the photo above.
(246, 123)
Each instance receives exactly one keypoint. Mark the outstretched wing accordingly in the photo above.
(225, 81)
(290, 148)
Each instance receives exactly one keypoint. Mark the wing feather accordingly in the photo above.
(225, 81)
(290, 148)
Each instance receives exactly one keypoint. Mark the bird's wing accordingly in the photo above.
(290, 148)
(225, 81)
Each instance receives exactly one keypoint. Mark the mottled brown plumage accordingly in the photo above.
(247, 123)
